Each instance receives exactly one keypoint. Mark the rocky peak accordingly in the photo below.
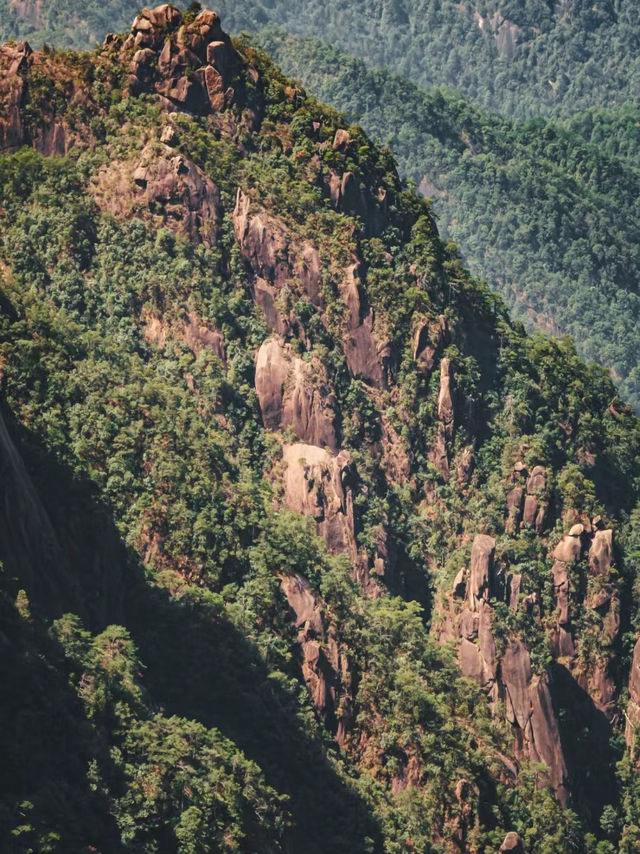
(191, 66)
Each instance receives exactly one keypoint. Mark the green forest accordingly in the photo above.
(307, 546)
(544, 209)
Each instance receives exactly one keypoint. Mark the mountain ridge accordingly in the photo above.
(357, 504)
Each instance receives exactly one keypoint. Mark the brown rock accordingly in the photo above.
(515, 672)
(291, 395)
(266, 296)
(428, 337)
(165, 185)
(469, 624)
(537, 481)
(633, 709)
(318, 485)
(445, 401)
(530, 510)
(213, 84)
(486, 643)
(15, 59)
(568, 549)
(199, 336)
(544, 737)
(563, 645)
(459, 584)
(515, 582)
(601, 552)
(470, 660)
(324, 665)
(341, 140)
(437, 454)
(368, 359)
(514, 501)
(263, 241)
(541, 517)
(512, 843)
(481, 569)
(465, 466)
(272, 370)
(308, 271)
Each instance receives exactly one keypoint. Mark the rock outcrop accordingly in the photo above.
(512, 843)
(294, 394)
(428, 337)
(165, 185)
(189, 66)
(319, 485)
(633, 709)
(509, 679)
(325, 668)
(276, 260)
(481, 569)
(14, 62)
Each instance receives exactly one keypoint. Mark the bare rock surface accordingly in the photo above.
(318, 484)
(295, 394)
(165, 186)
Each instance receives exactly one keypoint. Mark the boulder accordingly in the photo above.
(530, 510)
(341, 140)
(481, 569)
(512, 843)
(601, 552)
(319, 485)
(568, 549)
(537, 481)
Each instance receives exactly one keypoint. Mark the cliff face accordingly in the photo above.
(226, 315)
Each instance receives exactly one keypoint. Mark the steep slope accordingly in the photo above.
(367, 562)
(546, 211)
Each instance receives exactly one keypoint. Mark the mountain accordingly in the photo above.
(544, 210)
(306, 545)
(521, 58)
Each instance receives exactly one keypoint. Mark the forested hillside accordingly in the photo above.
(521, 57)
(545, 210)
(306, 545)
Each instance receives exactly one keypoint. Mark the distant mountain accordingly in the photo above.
(520, 57)
(546, 210)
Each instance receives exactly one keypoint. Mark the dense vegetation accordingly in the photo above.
(556, 57)
(164, 693)
(546, 211)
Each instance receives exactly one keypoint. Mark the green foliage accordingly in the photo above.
(195, 726)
